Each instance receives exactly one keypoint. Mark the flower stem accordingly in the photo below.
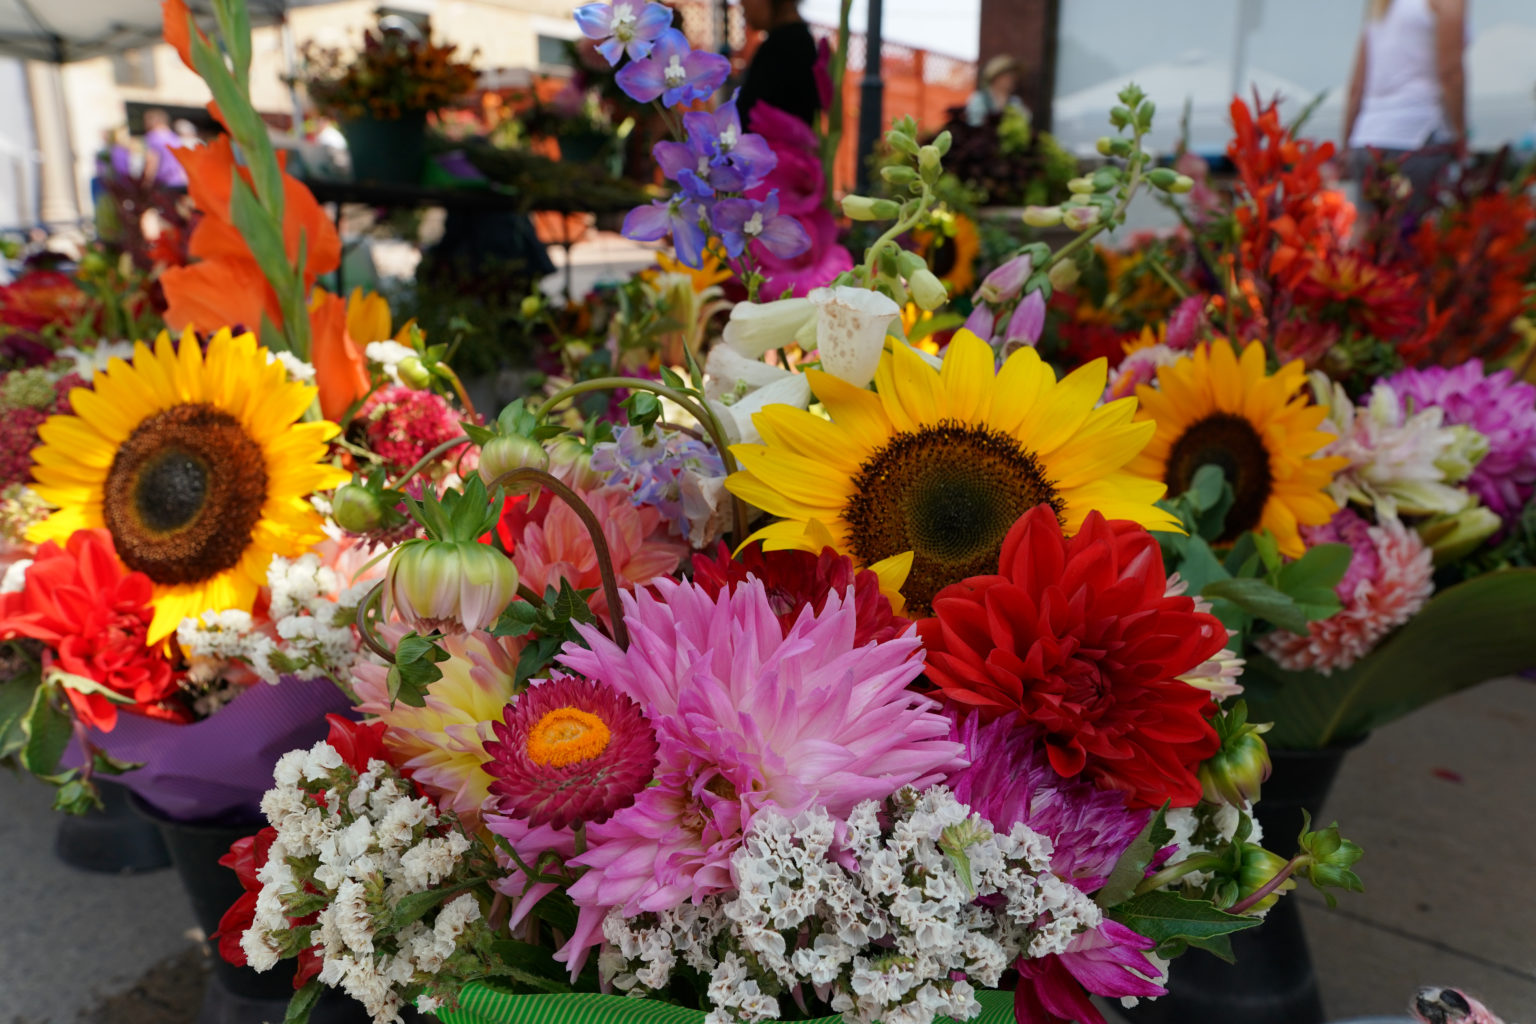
(427, 459)
(1136, 161)
(594, 529)
(364, 630)
(895, 231)
(458, 389)
(1174, 872)
(1270, 886)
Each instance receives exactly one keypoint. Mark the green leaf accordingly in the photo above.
(47, 730)
(89, 687)
(1166, 917)
(568, 604)
(644, 409)
(535, 657)
(415, 669)
(1310, 580)
(261, 234)
(16, 695)
(303, 1003)
(518, 619)
(932, 325)
(1132, 866)
(1259, 599)
(1474, 631)
(74, 795)
(670, 378)
(416, 905)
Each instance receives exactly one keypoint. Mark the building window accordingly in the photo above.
(134, 68)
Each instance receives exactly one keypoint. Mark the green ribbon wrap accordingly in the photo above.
(482, 1004)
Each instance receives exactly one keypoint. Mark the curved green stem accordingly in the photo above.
(1174, 872)
(1137, 161)
(895, 231)
(458, 389)
(364, 630)
(698, 410)
(594, 529)
(427, 459)
(1268, 887)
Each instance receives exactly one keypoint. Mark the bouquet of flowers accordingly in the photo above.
(820, 675)
(394, 74)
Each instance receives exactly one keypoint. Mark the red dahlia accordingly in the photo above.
(94, 615)
(570, 750)
(798, 579)
(1077, 636)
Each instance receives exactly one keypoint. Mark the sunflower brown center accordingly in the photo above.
(183, 494)
(949, 494)
(1231, 444)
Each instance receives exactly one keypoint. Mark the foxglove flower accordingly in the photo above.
(1026, 324)
(850, 331)
(1006, 281)
(739, 221)
(681, 217)
(674, 71)
(623, 27)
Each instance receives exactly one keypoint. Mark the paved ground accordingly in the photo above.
(1441, 802)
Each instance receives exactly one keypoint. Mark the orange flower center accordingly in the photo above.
(567, 735)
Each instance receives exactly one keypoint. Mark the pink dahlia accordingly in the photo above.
(747, 718)
(1497, 406)
(1110, 960)
(797, 579)
(550, 543)
(1010, 780)
(1388, 581)
(570, 750)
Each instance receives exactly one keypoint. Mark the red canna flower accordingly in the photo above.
(1077, 636)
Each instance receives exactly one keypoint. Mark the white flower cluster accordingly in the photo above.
(371, 845)
(310, 634)
(1207, 828)
(898, 915)
(388, 355)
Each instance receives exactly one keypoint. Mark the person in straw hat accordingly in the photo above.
(999, 79)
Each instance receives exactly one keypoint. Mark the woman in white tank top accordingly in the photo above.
(1407, 96)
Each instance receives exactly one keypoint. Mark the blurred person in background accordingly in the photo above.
(1407, 100)
(783, 70)
(161, 167)
(999, 79)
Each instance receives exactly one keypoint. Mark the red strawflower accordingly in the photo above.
(247, 856)
(796, 580)
(570, 749)
(1077, 636)
(93, 615)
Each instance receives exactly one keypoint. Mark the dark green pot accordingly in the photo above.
(388, 152)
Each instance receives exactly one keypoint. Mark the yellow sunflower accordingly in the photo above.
(1211, 408)
(195, 464)
(937, 465)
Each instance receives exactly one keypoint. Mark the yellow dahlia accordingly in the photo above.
(197, 466)
(1260, 429)
(935, 466)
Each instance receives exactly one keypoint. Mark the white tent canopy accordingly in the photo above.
(60, 31)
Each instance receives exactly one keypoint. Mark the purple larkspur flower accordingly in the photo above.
(691, 164)
(674, 71)
(719, 133)
(682, 217)
(1010, 780)
(1498, 406)
(656, 467)
(739, 221)
(623, 26)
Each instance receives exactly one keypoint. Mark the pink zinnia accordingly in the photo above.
(1388, 581)
(550, 543)
(747, 718)
(570, 750)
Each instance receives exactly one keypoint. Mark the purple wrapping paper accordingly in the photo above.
(218, 769)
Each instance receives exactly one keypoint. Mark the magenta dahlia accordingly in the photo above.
(1497, 406)
(747, 718)
(570, 750)
(1390, 577)
(1110, 960)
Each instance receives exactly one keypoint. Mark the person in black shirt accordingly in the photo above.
(782, 72)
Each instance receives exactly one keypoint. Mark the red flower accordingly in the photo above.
(357, 742)
(246, 857)
(1077, 636)
(797, 580)
(94, 615)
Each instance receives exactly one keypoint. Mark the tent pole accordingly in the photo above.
(871, 95)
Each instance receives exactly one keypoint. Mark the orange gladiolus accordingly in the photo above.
(341, 373)
(227, 288)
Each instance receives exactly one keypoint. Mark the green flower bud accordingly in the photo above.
(506, 452)
(413, 374)
(356, 509)
(1330, 860)
(1081, 218)
(929, 160)
(571, 461)
(1453, 537)
(531, 305)
(1042, 216)
(927, 290)
(1181, 184)
(438, 586)
(898, 174)
(1259, 867)
(901, 142)
(1080, 186)
(942, 142)
(1235, 772)
(1063, 275)
(1105, 178)
(1162, 177)
(866, 208)
(909, 263)
(1105, 145)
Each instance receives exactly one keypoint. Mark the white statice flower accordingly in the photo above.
(1401, 461)
(388, 355)
(15, 579)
